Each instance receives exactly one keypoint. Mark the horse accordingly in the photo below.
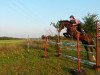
(85, 38)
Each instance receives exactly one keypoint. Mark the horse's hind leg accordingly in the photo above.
(94, 48)
(86, 48)
(92, 43)
(91, 48)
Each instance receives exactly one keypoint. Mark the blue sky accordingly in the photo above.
(20, 18)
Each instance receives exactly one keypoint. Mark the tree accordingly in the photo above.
(89, 24)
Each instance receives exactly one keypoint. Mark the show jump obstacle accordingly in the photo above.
(96, 66)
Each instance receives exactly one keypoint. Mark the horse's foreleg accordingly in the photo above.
(66, 34)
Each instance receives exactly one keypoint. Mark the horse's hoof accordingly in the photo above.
(92, 60)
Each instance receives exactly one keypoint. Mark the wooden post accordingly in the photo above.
(44, 46)
(96, 43)
(78, 52)
(58, 43)
(97, 67)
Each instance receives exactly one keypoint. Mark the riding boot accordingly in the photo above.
(82, 31)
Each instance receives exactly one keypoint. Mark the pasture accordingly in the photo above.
(16, 58)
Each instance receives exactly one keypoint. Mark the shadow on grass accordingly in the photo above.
(75, 71)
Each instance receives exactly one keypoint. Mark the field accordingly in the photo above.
(17, 58)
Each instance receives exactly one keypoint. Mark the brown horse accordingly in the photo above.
(85, 38)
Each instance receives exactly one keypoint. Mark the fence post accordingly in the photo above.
(58, 42)
(44, 46)
(97, 67)
(96, 43)
(78, 52)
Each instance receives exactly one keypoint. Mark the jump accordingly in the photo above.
(85, 38)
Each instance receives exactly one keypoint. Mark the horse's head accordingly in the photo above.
(64, 23)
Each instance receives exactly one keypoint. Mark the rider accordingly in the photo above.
(77, 23)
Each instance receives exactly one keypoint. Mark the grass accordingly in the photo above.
(16, 59)
(11, 41)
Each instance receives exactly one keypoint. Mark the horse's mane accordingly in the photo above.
(66, 21)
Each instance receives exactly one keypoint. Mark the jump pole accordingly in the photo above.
(45, 46)
(58, 43)
(28, 43)
(97, 67)
(78, 53)
(96, 43)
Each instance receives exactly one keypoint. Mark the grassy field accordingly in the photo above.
(17, 59)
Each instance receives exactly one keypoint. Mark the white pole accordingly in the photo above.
(28, 43)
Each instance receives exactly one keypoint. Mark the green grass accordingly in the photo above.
(16, 59)
(11, 41)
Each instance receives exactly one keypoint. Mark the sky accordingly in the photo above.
(20, 18)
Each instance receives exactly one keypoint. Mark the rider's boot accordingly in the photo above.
(82, 31)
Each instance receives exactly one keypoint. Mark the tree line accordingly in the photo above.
(9, 38)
